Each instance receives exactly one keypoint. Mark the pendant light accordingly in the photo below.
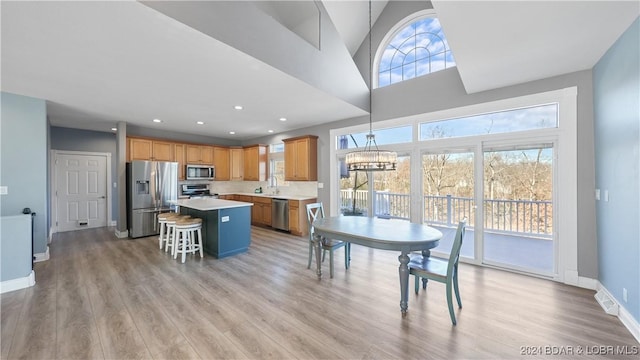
(371, 158)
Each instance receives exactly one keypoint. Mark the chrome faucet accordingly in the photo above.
(275, 181)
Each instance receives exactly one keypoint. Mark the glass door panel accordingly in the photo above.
(448, 197)
(392, 191)
(354, 191)
(518, 209)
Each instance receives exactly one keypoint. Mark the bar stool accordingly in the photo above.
(162, 223)
(186, 239)
(171, 240)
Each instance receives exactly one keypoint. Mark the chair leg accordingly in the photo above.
(161, 237)
(417, 283)
(450, 303)
(310, 254)
(455, 287)
(200, 241)
(424, 283)
(331, 264)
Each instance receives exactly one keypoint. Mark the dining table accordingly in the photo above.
(377, 233)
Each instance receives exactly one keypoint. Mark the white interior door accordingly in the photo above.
(81, 191)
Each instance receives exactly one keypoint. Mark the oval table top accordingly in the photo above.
(385, 234)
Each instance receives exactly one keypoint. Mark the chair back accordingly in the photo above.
(314, 211)
(457, 245)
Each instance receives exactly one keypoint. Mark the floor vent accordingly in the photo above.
(607, 303)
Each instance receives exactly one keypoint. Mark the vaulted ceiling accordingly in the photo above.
(99, 63)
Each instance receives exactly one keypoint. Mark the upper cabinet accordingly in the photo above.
(199, 154)
(178, 156)
(255, 162)
(236, 163)
(147, 149)
(301, 158)
(221, 163)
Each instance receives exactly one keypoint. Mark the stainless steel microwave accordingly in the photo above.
(200, 172)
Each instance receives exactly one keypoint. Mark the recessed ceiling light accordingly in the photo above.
(269, 131)
(238, 107)
(200, 122)
(114, 129)
(232, 132)
(157, 120)
(283, 119)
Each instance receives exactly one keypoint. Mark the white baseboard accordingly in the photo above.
(571, 277)
(122, 234)
(623, 314)
(41, 256)
(19, 283)
(587, 283)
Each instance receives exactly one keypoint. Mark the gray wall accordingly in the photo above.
(15, 247)
(444, 90)
(23, 165)
(89, 141)
(616, 79)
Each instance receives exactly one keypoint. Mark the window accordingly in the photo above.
(529, 118)
(416, 49)
(395, 135)
(276, 165)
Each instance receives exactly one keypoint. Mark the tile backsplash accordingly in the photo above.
(306, 188)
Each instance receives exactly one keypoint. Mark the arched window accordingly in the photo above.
(415, 47)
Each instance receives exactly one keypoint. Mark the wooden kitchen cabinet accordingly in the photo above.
(301, 158)
(298, 224)
(261, 211)
(255, 163)
(147, 149)
(221, 163)
(178, 156)
(236, 163)
(199, 154)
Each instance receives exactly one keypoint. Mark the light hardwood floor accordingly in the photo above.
(103, 297)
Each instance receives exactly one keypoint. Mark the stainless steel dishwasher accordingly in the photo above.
(280, 214)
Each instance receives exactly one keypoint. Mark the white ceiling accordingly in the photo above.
(502, 43)
(98, 63)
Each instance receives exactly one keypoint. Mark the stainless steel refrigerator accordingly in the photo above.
(151, 185)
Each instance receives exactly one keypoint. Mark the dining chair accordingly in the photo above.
(316, 211)
(440, 270)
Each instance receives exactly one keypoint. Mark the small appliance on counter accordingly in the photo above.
(198, 191)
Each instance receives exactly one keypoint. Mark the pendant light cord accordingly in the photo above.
(370, 76)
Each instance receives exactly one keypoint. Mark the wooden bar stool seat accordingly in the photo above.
(170, 236)
(188, 237)
(162, 223)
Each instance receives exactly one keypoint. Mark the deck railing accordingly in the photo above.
(502, 216)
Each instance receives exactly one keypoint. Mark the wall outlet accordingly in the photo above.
(624, 294)
(597, 194)
(320, 185)
(4, 190)
(606, 195)
(224, 219)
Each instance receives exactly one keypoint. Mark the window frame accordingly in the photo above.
(391, 33)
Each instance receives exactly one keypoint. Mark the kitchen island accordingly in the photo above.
(226, 224)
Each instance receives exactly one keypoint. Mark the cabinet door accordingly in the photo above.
(140, 149)
(192, 154)
(256, 214)
(236, 163)
(206, 155)
(266, 214)
(221, 162)
(301, 158)
(178, 156)
(162, 151)
(294, 216)
(255, 163)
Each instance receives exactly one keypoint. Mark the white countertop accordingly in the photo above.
(206, 204)
(274, 196)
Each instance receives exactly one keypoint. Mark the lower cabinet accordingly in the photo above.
(261, 211)
(298, 223)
